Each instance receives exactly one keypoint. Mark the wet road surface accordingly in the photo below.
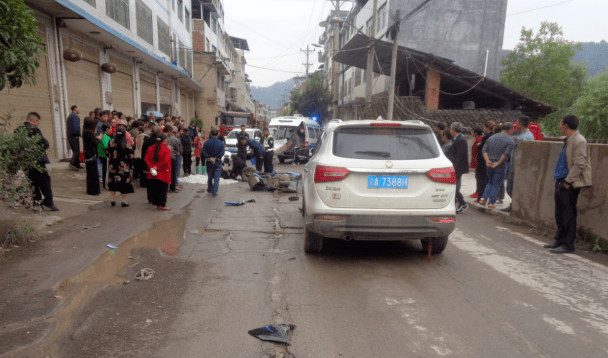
(494, 292)
(221, 271)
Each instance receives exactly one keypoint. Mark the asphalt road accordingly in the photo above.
(494, 291)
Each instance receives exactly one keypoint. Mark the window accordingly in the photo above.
(187, 21)
(214, 25)
(214, 49)
(357, 77)
(369, 27)
(182, 55)
(207, 46)
(384, 143)
(381, 17)
(90, 2)
(189, 63)
(118, 10)
(363, 76)
(164, 37)
(144, 22)
(173, 4)
(180, 10)
(174, 47)
(311, 133)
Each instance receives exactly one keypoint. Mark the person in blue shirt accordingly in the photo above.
(572, 173)
(213, 151)
(258, 151)
(73, 134)
(525, 135)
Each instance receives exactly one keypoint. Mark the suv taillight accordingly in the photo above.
(442, 175)
(324, 174)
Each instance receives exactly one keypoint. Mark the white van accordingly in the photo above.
(308, 130)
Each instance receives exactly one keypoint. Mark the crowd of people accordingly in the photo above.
(493, 158)
(119, 150)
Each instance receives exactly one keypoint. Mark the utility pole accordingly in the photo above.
(308, 52)
(391, 88)
(371, 56)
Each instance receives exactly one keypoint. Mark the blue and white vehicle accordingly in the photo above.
(308, 130)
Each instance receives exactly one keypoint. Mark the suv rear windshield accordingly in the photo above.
(385, 143)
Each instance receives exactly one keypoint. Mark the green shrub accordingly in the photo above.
(18, 154)
(197, 122)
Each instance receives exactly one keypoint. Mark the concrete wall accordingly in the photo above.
(534, 186)
(460, 30)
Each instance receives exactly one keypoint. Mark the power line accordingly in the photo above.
(539, 8)
(272, 69)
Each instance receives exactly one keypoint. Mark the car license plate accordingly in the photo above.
(387, 182)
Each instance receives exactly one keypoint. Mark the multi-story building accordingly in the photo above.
(469, 32)
(145, 46)
(219, 62)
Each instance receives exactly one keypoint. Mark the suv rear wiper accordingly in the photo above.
(377, 154)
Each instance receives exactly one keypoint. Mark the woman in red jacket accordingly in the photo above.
(158, 159)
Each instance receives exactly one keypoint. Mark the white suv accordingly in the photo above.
(378, 180)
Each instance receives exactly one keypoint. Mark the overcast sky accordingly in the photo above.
(277, 29)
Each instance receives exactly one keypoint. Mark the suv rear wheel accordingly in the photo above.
(439, 244)
(313, 243)
(281, 160)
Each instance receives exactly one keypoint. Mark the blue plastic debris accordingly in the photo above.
(240, 202)
(112, 246)
(273, 333)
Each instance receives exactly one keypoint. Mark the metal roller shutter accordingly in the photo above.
(184, 106)
(147, 87)
(33, 98)
(122, 88)
(165, 95)
(83, 79)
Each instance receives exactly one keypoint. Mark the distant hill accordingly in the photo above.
(272, 95)
(595, 55)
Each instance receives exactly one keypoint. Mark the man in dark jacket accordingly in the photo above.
(267, 142)
(238, 165)
(258, 152)
(187, 151)
(459, 155)
(213, 151)
(40, 178)
(241, 148)
(73, 134)
(481, 170)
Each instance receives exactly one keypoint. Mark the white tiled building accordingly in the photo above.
(149, 42)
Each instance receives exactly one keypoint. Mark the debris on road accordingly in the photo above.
(273, 333)
(126, 282)
(240, 202)
(92, 227)
(145, 274)
(148, 321)
(291, 259)
(59, 297)
(272, 182)
(112, 246)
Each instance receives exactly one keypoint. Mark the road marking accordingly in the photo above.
(579, 284)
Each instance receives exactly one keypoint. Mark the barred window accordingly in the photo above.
(180, 10)
(144, 22)
(381, 22)
(90, 2)
(182, 55)
(118, 10)
(164, 37)
(187, 20)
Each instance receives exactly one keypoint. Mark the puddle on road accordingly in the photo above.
(166, 235)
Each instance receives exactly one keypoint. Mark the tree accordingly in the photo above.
(314, 101)
(541, 66)
(19, 44)
(592, 107)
